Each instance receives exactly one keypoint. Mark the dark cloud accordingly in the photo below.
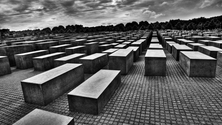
(97, 12)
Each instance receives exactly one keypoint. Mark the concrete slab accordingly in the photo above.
(25, 60)
(94, 62)
(176, 50)
(47, 86)
(210, 50)
(46, 45)
(135, 52)
(197, 64)
(73, 58)
(46, 62)
(92, 47)
(41, 117)
(59, 48)
(93, 94)
(155, 63)
(194, 46)
(75, 49)
(4, 66)
(121, 60)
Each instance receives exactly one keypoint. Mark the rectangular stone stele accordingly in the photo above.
(92, 47)
(110, 51)
(197, 64)
(135, 52)
(94, 62)
(176, 48)
(46, 62)
(25, 60)
(155, 46)
(75, 49)
(41, 117)
(210, 50)
(93, 94)
(74, 58)
(155, 63)
(219, 59)
(121, 60)
(4, 65)
(46, 45)
(59, 48)
(47, 86)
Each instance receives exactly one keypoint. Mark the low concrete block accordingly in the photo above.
(75, 49)
(46, 45)
(210, 50)
(47, 86)
(25, 60)
(195, 46)
(74, 58)
(155, 46)
(93, 94)
(155, 63)
(4, 66)
(176, 48)
(219, 59)
(197, 64)
(59, 48)
(41, 117)
(121, 60)
(46, 62)
(110, 51)
(94, 62)
(92, 47)
(135, 52)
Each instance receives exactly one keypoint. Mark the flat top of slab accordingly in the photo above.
(21, 54)
(3, 56)
(121, 52)
(218, 41)
(95, 85)
(186, 41)
(48, 55)
(196, 44)
(181, 47)
(205, 40)
(91, 43)
(197, 55)
(80, 40)
(155, 46)
(110, 50)
(214, 37)
(170, 42)
(47, 42)
(141, 40)
(76, 55)
(198, 37)
(155, 53)
(62, 45)
(133, 47)
(75, 47)
(93, 56)
(136, 43)
(50, 74)
(121, 45)
(211, 48)
(41, 117)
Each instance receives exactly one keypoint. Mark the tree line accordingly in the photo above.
(193, 24)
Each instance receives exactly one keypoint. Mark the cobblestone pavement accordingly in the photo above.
(174, 99)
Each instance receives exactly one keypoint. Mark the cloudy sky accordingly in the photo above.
(33, 14)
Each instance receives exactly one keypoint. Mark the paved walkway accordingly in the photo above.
(174, 99)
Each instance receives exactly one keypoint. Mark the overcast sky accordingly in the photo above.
(32, 14)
